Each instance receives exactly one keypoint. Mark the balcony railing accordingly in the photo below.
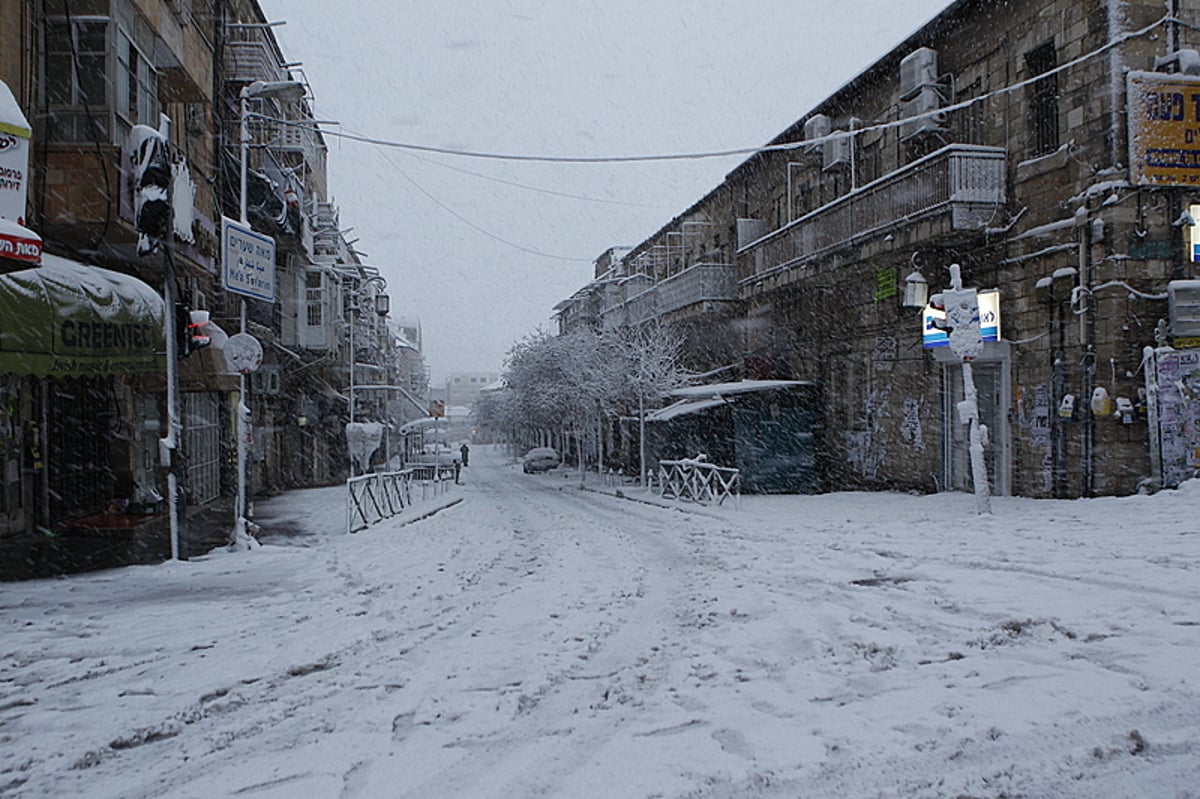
(702, 282)
(699, 283)
(251, 59)
(966, 182)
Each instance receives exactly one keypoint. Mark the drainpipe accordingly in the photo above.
(1116, 80)
(1087, 341)
(1058, 390)
(44, 445)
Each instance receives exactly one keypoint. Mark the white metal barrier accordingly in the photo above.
(697, 480)
(374, 497)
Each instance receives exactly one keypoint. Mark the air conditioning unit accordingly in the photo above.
(751, 230)
(1186, 62)
(1183, 300)
(922, 109)
(918, 70)
(817, 126)
(835, 152)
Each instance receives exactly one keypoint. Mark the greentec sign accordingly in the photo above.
(65, 318)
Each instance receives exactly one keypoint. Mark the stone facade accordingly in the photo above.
(85, 447)
(1020, 174)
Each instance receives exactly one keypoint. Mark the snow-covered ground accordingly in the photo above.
(539, 640)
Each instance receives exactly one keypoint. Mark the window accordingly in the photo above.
(137, 85)
(972, 120)
(314, 315)
(76, 79)
(1043, 101)
(870, 162)
(314, 295)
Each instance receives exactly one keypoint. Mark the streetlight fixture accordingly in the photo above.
(280, 89)
(284, 90)
(916, 290)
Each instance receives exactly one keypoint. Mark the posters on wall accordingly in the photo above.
(1177, 373)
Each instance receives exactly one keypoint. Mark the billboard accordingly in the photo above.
(1164, 128)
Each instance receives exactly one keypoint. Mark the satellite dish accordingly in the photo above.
(243, 353)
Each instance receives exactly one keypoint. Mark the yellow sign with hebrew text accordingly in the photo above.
(1164, 129)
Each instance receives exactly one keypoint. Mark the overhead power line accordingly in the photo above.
(782, 147)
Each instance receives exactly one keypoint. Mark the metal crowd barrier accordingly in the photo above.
(697, 480)
(374, 497)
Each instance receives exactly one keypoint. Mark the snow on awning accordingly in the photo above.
(682, 408)
(67, 319)
(740, 387)
(694, 399)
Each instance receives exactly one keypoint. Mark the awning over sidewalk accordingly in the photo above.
(67, 319)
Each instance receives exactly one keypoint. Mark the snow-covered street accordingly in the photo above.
(540, 640)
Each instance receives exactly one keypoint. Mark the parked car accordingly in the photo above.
(540, 459)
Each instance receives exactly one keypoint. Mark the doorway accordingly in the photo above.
(993, 387)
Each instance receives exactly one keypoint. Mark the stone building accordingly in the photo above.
(83, 389)
(1045, 146)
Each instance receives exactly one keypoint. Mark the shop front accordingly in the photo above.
(81, 349)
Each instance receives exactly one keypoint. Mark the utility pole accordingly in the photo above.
(966, 341)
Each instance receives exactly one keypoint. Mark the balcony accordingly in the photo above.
(617, 293)
(958, 188)
(698, 284)
(297, 136)
(251, 59)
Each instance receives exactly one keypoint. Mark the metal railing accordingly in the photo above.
(374, 497)
(966, 181)
(697, 480)
(251, 59)
(701, 282)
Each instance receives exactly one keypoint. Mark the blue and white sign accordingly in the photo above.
(247, 261)
(989, 320)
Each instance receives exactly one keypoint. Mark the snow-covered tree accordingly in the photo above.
(575, 382)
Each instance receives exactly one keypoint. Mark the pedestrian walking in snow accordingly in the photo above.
(457, 470)
(466, 454)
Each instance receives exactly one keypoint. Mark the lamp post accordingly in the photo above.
(382, 306)
(280, 89)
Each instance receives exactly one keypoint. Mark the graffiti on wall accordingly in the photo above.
(1035, 419)
(866, 449)
(910, 426)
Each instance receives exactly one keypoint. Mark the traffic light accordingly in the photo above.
(151, 186)
(198, 336)
(191, 330)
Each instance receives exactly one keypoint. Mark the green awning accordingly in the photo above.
(67, 319)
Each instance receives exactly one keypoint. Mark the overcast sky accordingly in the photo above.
(481, 261)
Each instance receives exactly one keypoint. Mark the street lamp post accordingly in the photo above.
(286, 89)
(382, 306)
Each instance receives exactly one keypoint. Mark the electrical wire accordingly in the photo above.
(380, 144)
(536, 189)
(781, 147)
(430, 196)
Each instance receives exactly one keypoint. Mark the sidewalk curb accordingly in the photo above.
(429, 513)
(618, 494)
